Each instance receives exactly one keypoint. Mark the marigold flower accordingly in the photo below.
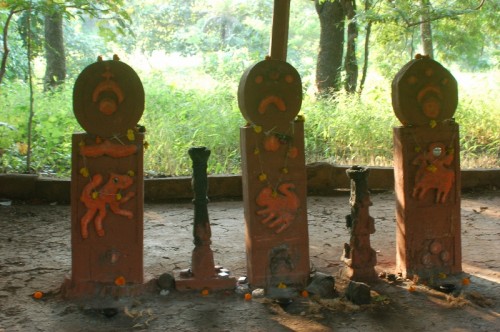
(37, 295)
(120, 281)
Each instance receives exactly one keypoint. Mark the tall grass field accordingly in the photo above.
(186, 108)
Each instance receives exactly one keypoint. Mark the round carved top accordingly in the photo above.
(270, 94)
(424, 92)
(108, 98)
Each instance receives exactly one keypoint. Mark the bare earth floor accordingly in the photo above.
(35, 255)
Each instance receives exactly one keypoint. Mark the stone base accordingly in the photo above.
(102, 291)
(362, 275)
(215, 283)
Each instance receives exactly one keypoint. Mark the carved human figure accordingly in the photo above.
(432, 172)
(96, 200)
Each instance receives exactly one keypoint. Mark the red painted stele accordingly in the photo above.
(107, 183)
(427, 171)
(274, 175)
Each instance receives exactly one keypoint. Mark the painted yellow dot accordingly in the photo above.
(95, 195)
(256, 151)
(119, 196)
(284, 170)
(131, 173)
(262, 177)
(433, 123)
(130, 135)
(84, 172)
(257, 129)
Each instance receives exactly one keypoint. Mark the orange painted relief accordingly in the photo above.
(108, 148)
(433, 174)
(280, 207)
(96, 200)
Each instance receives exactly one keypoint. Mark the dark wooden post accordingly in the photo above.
(202, 259)
(358, 255)
(203, 274)
(279, 36)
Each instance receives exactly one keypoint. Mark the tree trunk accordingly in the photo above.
(331, 46)
(55, 71)
(367, 49)
(350, 62)
(5, 55)
(425, 29)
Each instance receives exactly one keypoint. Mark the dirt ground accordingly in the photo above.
(35, 256)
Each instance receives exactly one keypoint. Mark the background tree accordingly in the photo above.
(331, 46)
(55, 69)
(109, 11)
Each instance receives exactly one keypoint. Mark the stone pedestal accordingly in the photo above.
(275, 207)
(427, 184)
(426, 170)
(107, 186)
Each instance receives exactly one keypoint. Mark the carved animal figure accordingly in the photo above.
(96, 200)
(280, 208)
(433, 174)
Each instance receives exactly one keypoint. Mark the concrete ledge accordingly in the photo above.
(323, 179)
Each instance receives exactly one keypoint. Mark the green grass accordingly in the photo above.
(184, 111)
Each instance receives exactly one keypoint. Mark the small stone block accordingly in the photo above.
(223, 275)
(242, 280)
(186, 273)
(258, 292)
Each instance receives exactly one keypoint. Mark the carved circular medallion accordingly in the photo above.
(270, 94)
(424, 91)
(108, 98)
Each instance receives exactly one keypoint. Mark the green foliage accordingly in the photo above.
(191, 99)
(54, 123)
(177, 119)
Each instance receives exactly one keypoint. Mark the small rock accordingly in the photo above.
(164, 292)
(281, 294)
(242, 289)
(391, 277)
(358, 293)
(166, 281)
(186, 273)
(109, 312)
(258, 292)
(322, 285)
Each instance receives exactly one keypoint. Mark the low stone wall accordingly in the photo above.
(323, 179)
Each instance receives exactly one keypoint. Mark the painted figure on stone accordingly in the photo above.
(280, 207)
(97, 200)
(433, 173)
